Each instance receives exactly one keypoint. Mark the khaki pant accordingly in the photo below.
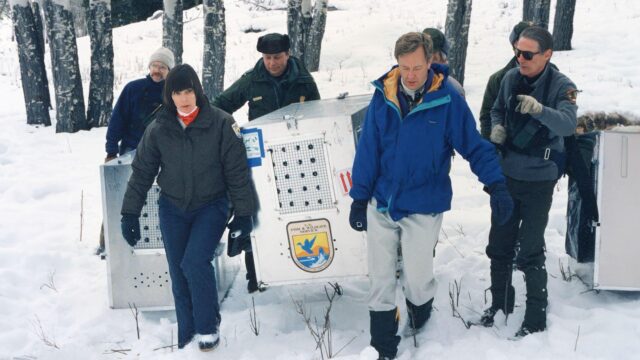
(417, 234)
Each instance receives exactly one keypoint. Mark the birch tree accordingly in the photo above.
(305, 25)
(563, 24)
(36, 7)
(536, 11)
(172, 28)
(70, 116)
(215, 47)
(457, 34)
(31, 57)
(101, 83)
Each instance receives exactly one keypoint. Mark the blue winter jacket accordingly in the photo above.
(404, 162)
(130, 116)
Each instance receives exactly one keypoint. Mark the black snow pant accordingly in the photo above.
(532, 202)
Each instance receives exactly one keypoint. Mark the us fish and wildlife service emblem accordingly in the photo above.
(311, 244)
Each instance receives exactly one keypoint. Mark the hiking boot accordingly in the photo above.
(526, 330)
(383, 328)
(418, 317)
(208, 342)
(486, 319)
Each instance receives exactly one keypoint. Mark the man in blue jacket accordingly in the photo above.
(401, 183)
(135, 107)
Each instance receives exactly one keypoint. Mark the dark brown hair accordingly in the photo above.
(182, 77)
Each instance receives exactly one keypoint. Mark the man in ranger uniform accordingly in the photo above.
(277, 80)
(535, 109)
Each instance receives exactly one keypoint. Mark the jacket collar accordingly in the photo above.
(296, 72)
(203, 120)
(388, 83)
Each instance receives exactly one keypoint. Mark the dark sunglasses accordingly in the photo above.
(527, 55)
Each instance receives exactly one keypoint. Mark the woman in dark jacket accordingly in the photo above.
(199, 158)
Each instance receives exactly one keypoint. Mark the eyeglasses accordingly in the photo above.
(159, 67)
(527, 55)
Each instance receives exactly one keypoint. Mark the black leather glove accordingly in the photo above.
(501, 203)
(358, 215)
(130, 225)
(239, 235)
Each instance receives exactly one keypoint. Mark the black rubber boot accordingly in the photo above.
(418, 316)
(535, 316)
(384, 328)
(502, 294)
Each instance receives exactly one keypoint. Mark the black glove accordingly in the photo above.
(501, 203)
(130, 225)
(239, 235)
(358, 215)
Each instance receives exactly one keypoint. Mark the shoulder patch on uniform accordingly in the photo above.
(236, 129)
(572, 95)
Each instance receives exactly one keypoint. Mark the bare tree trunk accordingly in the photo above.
(457, 33)
(32, 71)
(537, 11)
(306, 30)
(215, 47)
(101, 84)
(528, 12)
(315, 35)
(295, 27)
(172, 28)
(70, 114)
(36, 7)
(563, 24)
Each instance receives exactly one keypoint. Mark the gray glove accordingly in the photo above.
(498, 135)
(528, 105)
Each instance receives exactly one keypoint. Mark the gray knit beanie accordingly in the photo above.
(164, 56)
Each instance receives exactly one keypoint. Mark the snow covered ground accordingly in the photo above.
(53, 287)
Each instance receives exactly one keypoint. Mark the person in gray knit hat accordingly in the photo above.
(135, 109)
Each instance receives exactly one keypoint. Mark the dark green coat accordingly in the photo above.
(490, 95)
(266, 94)
(198, 164)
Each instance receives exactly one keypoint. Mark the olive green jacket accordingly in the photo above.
(490, 96)
(266, 93)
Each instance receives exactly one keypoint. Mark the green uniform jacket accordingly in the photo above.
(198, 164)
(265, 93)
(490, 96)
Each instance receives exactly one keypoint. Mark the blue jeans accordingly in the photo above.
(190, 239)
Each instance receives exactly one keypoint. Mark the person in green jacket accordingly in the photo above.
(493, 86)
(277, 80)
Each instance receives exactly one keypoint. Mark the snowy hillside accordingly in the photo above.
(53, 290)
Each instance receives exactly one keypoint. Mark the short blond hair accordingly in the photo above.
(409, 42)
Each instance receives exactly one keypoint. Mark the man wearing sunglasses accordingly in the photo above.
(535, 109)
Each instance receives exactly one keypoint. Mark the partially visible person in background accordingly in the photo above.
(440, 55)
(136, 107)
(493, 85)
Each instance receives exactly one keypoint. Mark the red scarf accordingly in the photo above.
(189, 118)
